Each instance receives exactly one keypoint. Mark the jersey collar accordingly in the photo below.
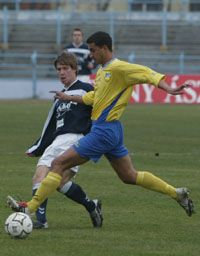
(67, 88)
(107, 63)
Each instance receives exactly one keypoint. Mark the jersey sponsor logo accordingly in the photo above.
(63, 108)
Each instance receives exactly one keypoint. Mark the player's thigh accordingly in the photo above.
(69, 159)
(124, 169)
(58, 147)
(64, 142)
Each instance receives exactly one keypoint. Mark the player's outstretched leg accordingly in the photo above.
(181, 195)
(126, 172)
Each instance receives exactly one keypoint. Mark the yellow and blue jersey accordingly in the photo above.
(113, 87)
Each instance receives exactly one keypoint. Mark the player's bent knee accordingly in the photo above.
(128, 179)
(57, 166)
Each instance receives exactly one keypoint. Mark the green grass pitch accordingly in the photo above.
(164, 139)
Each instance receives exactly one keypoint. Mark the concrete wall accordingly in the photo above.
(23, 88)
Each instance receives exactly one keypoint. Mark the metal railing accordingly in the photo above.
(37, 66)
(78, 5)
(57, 19)
(110, 20)
(170, 63)
(103, 5)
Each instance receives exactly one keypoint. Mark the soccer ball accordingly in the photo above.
(18, 225)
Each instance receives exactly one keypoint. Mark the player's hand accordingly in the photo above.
(179, 90)
(60, 95)
(174, 91)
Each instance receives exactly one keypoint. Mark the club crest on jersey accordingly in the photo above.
(107, 76)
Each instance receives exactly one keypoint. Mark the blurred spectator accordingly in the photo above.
(81, 50)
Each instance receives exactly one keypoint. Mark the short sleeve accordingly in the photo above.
(138, 74)
(88, 98)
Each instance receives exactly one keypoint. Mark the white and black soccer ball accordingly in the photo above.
(18, 225)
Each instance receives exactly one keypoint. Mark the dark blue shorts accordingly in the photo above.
(105, 138)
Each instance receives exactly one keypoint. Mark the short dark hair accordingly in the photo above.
(100, 39)
(67, 58)
(77, 29)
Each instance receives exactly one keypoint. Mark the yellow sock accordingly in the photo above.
(47, 187)
(149, 181)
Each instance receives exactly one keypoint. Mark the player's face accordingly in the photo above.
(77, 37)
(66, 74)
(97, 53)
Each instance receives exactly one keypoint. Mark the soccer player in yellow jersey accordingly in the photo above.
(112, 90)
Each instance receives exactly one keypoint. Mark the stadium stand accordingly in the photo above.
(138, 36)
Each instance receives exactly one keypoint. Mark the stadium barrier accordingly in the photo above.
(149, 94)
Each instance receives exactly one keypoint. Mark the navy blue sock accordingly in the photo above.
(41, 211)
(77, 194)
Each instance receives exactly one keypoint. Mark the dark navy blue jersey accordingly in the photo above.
(64, 117)
(73, 117)
(83, 56)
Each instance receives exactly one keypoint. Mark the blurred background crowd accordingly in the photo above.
(162, 34)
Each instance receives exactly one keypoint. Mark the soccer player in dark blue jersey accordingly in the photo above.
(66, 123)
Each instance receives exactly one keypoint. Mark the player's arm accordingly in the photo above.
(138, 74)
(174, 91)
(62, 96)
(86, 99)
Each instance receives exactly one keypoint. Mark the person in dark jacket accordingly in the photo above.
(81, 50)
